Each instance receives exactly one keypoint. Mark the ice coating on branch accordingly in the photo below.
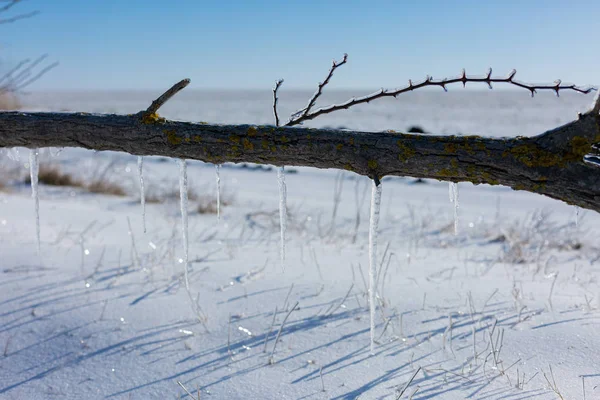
(140, 164)
(454, 199)
(373, 224)
(218, 176)
(282, 213)
(183, 196)
(34, 170)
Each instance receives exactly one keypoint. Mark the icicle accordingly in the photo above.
(140, 163)
(451, 191)
(183, 196)
(454, 191)
(34, 169)
(218, 175)
(282, 213)
(373, 224)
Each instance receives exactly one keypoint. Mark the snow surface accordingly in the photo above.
(103, 312)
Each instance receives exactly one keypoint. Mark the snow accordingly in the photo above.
(373, 229)
(86, 322)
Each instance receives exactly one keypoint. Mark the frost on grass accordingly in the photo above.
(34, 170)
(373, 224)
(183, 196)
(282, 213)
(140, 164)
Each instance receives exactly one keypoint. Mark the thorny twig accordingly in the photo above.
(305, 114)
(275, 89)
(299, 115)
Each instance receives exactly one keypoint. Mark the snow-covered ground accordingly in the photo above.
(503, 310)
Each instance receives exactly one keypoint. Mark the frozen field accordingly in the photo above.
(506, 309)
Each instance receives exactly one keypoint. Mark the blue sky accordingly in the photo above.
(138, 44)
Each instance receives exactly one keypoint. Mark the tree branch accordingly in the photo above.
(278, 83)
(302, 114)
(429, 81)
(166, 96)
(551, 164)
(7, 7)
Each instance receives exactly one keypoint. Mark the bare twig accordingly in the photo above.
(10, 4)
(429, 81)
(301, 114)
(166, 96)
(7, 7)
(18, 17)
(19, 77)
(37, 76)
(275, 89)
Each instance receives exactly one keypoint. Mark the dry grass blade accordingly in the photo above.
(408, 383)
(271, 359)
(187, 391)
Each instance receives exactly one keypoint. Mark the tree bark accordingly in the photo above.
(551, 164)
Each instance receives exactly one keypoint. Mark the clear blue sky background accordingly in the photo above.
(136, 44)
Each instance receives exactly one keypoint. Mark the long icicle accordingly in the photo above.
(218, 175)
(140, 164)
(455, 201)
(183, 196)
(34, 170)
(282, 213)
(373, 227)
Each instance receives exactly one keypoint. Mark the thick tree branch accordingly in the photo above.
(551, 164)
